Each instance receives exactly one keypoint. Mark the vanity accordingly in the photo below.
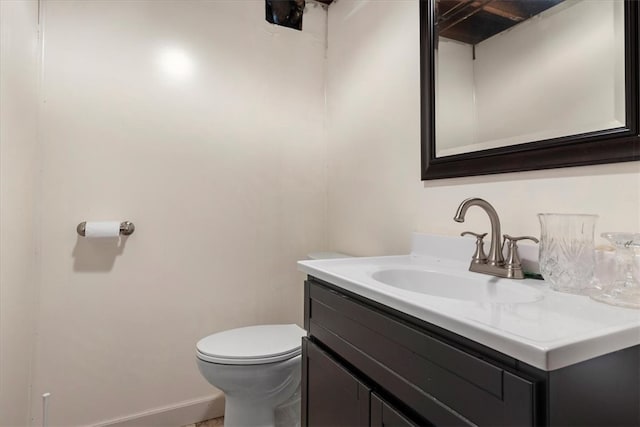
(419, 340)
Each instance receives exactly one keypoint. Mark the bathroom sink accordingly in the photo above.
(523, 319)
(457, 287)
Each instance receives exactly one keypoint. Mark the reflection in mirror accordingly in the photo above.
(509, 72)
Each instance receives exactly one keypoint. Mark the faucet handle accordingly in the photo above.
(513, 263)
(479, 256)
(516, 239)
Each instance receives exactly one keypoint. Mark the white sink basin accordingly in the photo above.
(467, 288)
(523, 319)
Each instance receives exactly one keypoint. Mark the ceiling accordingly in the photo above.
(472, 21)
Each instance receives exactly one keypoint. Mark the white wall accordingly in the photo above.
(373, 106)
(18, 188)
(455, 95)
(202, 124)
(544, 78)
(566, 74)
(375, 195)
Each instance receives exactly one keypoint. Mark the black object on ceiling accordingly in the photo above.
(287, 13)
(472, 21)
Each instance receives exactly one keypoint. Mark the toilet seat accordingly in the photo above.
(252, 345)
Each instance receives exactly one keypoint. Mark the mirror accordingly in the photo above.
(513, 85)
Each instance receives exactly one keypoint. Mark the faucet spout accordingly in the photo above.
(495, 253)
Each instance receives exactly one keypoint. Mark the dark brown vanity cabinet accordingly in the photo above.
(365, 364)
(335, 397)
(382, 414)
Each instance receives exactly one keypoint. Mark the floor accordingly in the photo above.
(216, 422)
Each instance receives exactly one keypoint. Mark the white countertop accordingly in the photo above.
(555, 331)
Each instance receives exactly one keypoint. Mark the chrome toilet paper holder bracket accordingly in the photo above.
(126, 228)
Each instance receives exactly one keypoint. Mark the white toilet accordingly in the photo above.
(259, 370)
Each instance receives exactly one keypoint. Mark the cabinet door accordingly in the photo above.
(439, 381)
(331, 395)
(383, 415)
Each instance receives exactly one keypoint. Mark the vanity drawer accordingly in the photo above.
(436, 380)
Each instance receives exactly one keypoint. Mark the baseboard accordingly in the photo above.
(181, 414)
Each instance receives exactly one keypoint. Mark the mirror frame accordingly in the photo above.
(605, 146)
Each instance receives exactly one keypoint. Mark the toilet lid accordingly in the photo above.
(252, 345)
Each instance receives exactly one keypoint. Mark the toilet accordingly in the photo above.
(259, 370)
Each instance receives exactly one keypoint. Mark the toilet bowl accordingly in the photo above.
(257, 367)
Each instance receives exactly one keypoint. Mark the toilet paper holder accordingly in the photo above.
(126, 228)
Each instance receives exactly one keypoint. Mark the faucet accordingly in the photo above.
(493, 264)
(495, 252)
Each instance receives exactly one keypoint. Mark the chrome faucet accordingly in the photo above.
(493, 264)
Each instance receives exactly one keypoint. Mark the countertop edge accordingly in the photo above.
(544, 358)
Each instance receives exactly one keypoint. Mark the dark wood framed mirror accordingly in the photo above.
(568, 96)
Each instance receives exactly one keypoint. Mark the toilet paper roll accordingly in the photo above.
(102, 229)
